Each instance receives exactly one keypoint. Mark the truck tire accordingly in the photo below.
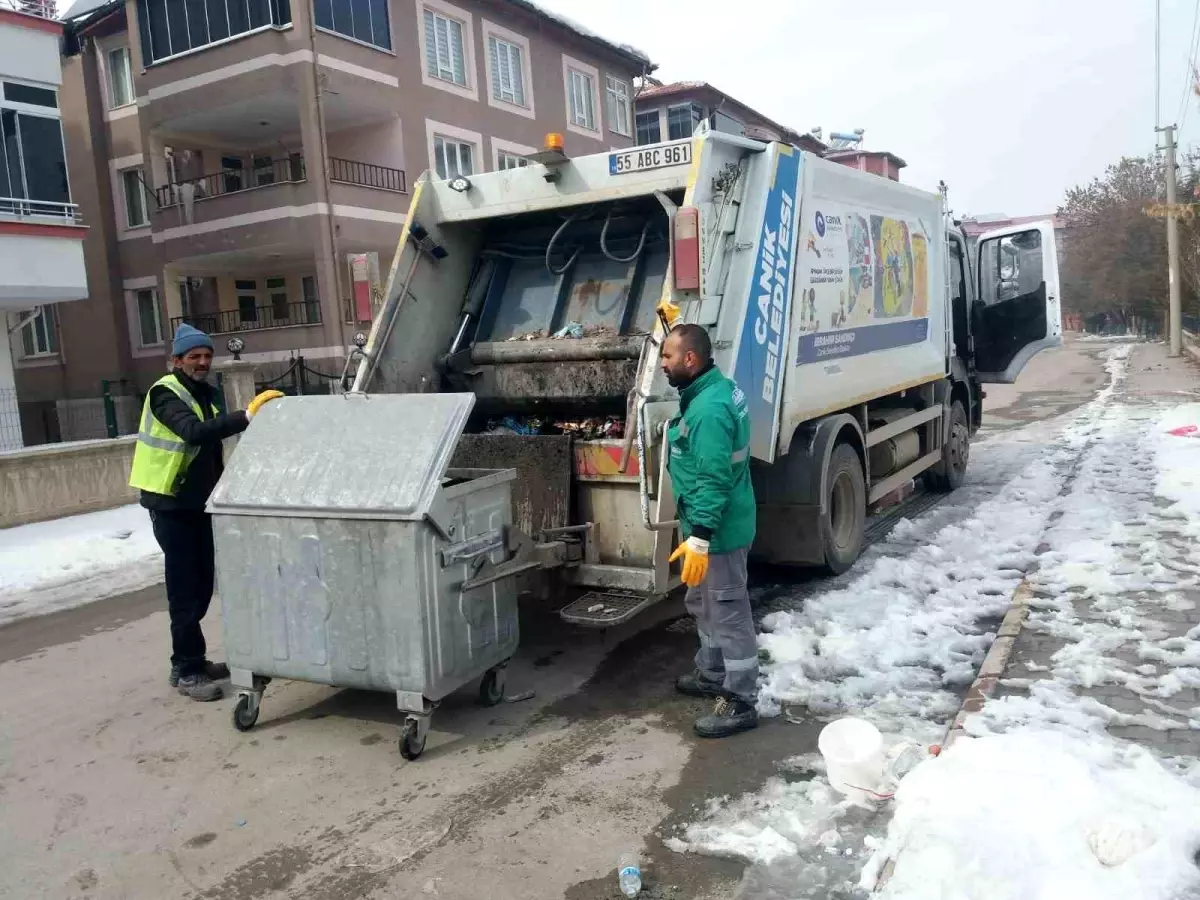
(843, 519)
(947, 475)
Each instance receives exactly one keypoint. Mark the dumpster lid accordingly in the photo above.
(377, 456)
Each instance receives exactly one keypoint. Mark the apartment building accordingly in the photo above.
(667, 112)
(249, 162)
(41, 234)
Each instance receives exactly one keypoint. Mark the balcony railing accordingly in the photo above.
(233, 181)
(41, 8)
(253, 318)
(61, 213)
(348, 171)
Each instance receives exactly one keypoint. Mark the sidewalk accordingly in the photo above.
(1111, 637)
(50, 566)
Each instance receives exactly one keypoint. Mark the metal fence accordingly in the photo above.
(110, 412)
(297, 378)
(253, 318)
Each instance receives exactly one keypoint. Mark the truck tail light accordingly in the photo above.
(686, 251)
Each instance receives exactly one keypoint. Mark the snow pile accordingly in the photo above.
(1040, 815)
(894, 642)
(1179, 464)
(50, 566)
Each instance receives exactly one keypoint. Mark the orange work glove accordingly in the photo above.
(257, 403)
(695, 560)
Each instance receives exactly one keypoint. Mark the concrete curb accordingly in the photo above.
(994, 663)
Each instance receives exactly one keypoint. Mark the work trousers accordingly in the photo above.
(186, 538)
(728, 646)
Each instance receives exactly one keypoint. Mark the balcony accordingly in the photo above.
(43, 211)
(253, 318)
(265, 173)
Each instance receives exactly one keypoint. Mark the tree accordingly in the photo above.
(1114, 259)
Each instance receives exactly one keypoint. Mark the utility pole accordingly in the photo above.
(1175, 314)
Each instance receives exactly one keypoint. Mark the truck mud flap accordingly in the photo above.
(542, 492)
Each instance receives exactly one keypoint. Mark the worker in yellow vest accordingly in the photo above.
(176, 464)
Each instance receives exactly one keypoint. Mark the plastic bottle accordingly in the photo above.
(629, 875)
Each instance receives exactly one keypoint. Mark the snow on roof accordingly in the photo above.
(633, 54)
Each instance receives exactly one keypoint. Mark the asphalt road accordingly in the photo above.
(113, 786)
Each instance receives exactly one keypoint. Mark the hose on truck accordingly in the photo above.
(604, 241)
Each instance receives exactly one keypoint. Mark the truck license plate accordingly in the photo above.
(639, 160)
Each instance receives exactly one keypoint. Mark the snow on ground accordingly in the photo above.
(891, 643)
(50, 566)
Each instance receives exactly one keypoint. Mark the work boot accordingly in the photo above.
(215, 671)
(694, 684)
(729, 716)
(199, 687)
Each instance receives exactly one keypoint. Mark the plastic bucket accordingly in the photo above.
(854, 758)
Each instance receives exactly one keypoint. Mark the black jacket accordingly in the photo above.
(205, 470)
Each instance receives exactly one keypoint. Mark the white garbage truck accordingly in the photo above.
(849, 309)
(505, 425)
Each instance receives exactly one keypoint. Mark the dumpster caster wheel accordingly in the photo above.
(245, 714)
(412, 744)
(491, 688)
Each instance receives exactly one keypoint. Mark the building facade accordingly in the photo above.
(668, 112)
(250, 162)
(41, 233)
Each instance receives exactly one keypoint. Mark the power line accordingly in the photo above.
(1189, 75)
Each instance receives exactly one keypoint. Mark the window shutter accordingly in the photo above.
(497, 81)
(431, 45)
(458, 64)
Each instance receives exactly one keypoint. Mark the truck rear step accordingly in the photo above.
(604, 609)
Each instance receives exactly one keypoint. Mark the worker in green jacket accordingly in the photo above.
(709, 464)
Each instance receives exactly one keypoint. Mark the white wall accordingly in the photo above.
(36, 269)
(29, 54)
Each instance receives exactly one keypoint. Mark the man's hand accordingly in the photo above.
(695, 560)
(257, 403)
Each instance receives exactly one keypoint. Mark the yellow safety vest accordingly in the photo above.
(161, 457)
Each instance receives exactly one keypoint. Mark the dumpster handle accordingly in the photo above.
(643, 483)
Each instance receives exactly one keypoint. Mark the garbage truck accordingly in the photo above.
(522, 322)
(848, 308)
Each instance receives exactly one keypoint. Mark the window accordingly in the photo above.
(277, 292)
(231, 174)
(451, 158)
(120, 78)
(506, 160)
(312, 308)
(150, 330)
(170, 27)
(726, 124)
(618, 105)
(33, 163)
(39, 335)
(682, 121)
(444, 56)
(247, 301)
(508, 71)
(580, 90)
(135, 198)
(648, 129)
(264, 170)
(29, 95)
(361, 20)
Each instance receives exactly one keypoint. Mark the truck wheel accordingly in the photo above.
(950, 472)
(844, 518)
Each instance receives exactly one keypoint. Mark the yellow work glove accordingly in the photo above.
(257, 403)
(695, 560)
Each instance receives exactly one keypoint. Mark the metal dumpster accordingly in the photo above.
(342, 546)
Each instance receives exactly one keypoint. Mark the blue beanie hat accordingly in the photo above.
(189, 338)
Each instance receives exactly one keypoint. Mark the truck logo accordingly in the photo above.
(763, 341)
(820, 224)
